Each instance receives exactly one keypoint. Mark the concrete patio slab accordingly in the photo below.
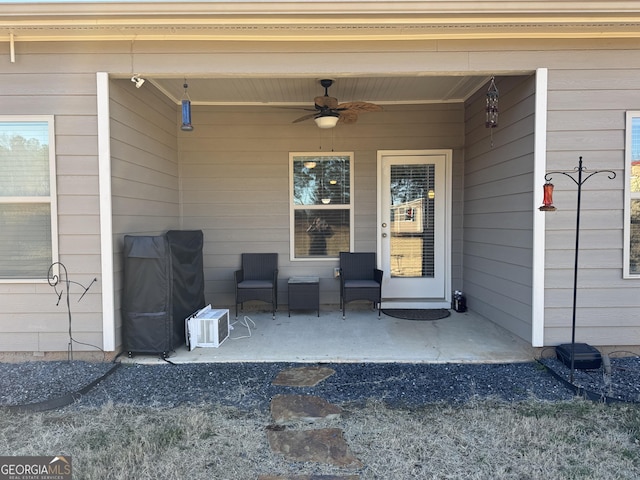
(361, 337)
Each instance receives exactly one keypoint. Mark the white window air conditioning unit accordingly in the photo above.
(207, 328)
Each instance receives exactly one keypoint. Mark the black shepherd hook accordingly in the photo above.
(580, 170)
(54, 280)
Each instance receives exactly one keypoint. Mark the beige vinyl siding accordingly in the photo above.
(235, 180)
(144, 160)
(587, 118)
(144, 170)
(498, 198)
(30, 320)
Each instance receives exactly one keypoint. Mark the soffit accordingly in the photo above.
(311, 31)
(319, 20)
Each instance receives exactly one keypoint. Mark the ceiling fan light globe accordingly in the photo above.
(327, 121)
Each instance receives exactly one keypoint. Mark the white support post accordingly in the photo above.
(106, 225)
(539, 169)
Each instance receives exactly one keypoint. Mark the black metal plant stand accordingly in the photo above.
(579, 182)
(54, 280)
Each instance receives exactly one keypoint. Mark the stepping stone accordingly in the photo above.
(303, 376)
(308, 477)
(326, 445)
(308, 408)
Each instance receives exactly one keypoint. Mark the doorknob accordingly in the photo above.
(384, 225)
(384, 235)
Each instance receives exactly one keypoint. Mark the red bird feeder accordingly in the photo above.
(547, 201)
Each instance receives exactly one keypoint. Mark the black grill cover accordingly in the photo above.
(188, 277)
(163, 284)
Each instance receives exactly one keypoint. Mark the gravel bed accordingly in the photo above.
(621, 383)
(30, 382)
(248, 385)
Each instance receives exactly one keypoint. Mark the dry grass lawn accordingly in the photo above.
(483, 440)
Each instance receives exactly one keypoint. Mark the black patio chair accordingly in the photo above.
(257, 279)
(359, 279)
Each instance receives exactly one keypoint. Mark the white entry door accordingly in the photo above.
(413, 226)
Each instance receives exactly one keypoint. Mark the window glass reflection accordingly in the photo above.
(321, 180)
(321, 233)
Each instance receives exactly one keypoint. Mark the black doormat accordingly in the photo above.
(417, 313)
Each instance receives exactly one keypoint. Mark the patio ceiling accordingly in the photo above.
(388, 90)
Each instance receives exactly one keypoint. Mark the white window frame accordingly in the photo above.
(628, 194)
(293, 208)
(51, 199)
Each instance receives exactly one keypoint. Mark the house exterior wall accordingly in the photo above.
(235, 181)
(498, 200)
(586, 118)
(60, 79)
(592, 82)
(144, 170)
(44, 84)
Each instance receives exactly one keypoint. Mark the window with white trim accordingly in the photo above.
(321, 205)
(27, 197)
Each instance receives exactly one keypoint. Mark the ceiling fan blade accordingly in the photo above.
(360, 107)
(326, 101)
(304, 117)
(348, 116)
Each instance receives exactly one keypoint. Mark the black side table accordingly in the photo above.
(304, 293)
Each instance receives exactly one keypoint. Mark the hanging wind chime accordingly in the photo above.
(186, 110)
(491, 110)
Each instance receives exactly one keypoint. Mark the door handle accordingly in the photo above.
(384, 235)
(384, 225)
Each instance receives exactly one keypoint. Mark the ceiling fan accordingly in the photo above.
(327, 110)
